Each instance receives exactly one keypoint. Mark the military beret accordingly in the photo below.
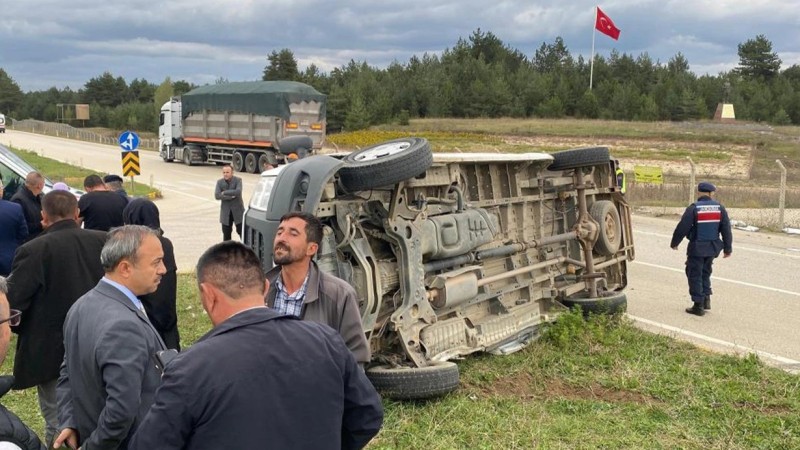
(112, 178)
(706, 187)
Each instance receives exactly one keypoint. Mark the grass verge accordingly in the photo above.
(591, 384)
(73, 175)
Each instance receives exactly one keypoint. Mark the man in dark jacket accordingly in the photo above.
(48, 275)
(13, 232)
(258, 379)
(12, 430)
(100, 208)
(29, 196)
(300, 289)
(161, 304)
(229, 191)
(702, 223)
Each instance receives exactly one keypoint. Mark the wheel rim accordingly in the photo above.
(381, 151)
(611, 228)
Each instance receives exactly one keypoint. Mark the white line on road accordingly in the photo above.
(776, 358)
(743, 283)
(738, 247)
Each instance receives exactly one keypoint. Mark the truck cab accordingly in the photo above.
(170, 132)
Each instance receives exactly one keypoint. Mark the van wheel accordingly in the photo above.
(413, 383)
(608, 303)
(187, 157)
(579, 157)
(610, 236)
(237, 162)
(385, 164)
(251, 163)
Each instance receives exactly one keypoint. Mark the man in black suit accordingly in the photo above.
(108, 377)
(13, 231)
(48, 275)
(229, 191)
(259, 379)
(29, 196)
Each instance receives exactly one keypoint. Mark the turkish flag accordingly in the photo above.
(605, 25)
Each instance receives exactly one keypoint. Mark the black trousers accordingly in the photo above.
(227, 230)
(698, 272)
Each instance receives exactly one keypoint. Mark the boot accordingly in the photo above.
(707, 302)
(696, 309)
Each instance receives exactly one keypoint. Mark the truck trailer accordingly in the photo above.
(245, 124)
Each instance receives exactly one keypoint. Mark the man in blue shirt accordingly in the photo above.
(108, 378)
(702, 223)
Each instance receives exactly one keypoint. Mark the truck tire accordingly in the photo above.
(385, 164)
(609, 239)
(237, 162)
(293, 144)
(414, 383)
(608, 303)
(165, 154)
(187, 157)
(262, 160)
(579, 157)
(251, 163)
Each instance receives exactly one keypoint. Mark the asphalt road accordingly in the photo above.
(756, 302)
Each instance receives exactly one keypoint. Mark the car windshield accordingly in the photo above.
(20, 163)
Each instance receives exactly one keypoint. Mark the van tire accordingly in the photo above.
(385, 164)
(415, 383)
(609, 303)
(609, 238)
(579, 157)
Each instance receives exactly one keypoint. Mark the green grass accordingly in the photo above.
(73, 174)
(586, 384)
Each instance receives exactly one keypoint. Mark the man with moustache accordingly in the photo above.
(108, 378)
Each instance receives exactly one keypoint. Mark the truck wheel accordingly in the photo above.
(610, 236)
(609, 303)
(263, 160)
(251, 163)
(165, 154)
(385, 164)
(187, 157)
(579, 157)
(237, 162)
(413, 383)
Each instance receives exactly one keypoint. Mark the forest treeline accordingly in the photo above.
(479, 77)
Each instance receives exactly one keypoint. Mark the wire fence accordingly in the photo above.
(64, 130)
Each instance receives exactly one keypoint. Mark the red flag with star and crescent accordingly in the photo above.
(605, 25)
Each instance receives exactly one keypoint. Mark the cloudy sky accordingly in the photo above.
(45, 43)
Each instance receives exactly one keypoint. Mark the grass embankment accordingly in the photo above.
(596, 384)
(712, 146)
(73, 175)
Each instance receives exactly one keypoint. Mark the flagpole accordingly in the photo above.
(591, 65)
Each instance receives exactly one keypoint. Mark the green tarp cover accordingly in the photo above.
(269, 98)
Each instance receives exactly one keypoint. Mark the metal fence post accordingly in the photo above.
(782, 197)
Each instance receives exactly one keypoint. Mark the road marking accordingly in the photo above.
(743, 283)
(762, 354)
(737, 247)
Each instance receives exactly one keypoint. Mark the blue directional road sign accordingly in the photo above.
(129, 141)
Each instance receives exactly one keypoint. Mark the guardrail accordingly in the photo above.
(69, 132)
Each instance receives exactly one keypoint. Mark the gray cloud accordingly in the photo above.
(55, 43)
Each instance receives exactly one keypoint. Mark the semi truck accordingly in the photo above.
(245, 124)
(455, 253)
